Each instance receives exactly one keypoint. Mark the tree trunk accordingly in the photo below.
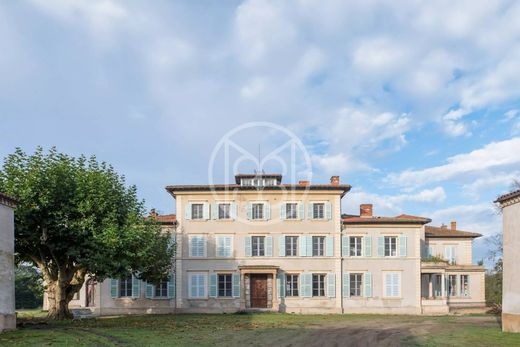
(58, 300)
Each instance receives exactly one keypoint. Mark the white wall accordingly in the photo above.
(7, 301)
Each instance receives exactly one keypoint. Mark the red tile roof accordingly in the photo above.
(401, 219)
(508, 196)
(442, 232)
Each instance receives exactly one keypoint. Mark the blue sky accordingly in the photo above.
(416, 104)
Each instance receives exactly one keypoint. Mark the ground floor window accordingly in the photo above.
(464, 285)
(318, 285)
(161, 290)
(198, 285)
(356, 283)
(291, 285)
(225, 285)
(452, 285)
(392, 284)
(125, 286)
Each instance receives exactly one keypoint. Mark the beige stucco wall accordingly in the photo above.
(7, 300)
(463, 248)
(511, 282)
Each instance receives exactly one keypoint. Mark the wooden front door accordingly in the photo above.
(258, 291)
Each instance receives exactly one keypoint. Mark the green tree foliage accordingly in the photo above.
(494, 277)
(76, 217)
(28, 287)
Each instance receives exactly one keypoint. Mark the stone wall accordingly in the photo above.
(7, 304)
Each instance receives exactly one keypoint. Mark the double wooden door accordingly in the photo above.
(258, 285)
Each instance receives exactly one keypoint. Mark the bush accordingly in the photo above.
(28, 287)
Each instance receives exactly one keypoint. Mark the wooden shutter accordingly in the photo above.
(236, 285)
(302, 247)
(136, 288)
(281, 246)
(213, 285)
(214, 211)
(346, 285)
(228, 246)
(267, 211)
(247, 246)
(233, 210)
(402, 246)
(309, 246)
(381, 246)
(345, 246)
(329, 246)
(283, 211)
(301, 210)
(388, 284)
(280, 280)
(149, 292)
(205, 211)
(268, 246)
(328, 210)
(306, 285)
(114, 288)
(396, 282)
(331, 285)
(368, 246)
(249, 211)
(368, 284)
(310, 210)
(187, 212)
(171, 286)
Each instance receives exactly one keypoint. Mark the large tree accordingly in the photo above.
(77, 217)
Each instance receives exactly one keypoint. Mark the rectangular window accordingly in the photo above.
(197, 246)
(355, 246)
(291, 246)
(258, 246)
(225, 286)
(318, 285)
(258, 211)
(449, 254)
(224, 246)
(291, 210)
(291, 285)
(161, 290)
(318, 210)
(390, 246)
(224, 211)
(197, 285)
(452, 285)
(392, 284)
(125, 286)
(464, 285)
(356, 284)
(318, 246)
(197, 211)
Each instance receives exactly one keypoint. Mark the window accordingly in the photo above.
(355, 246)
(318, 210)
(452, 285)
(258, 211)
(125, 286)
(318, 246)
(161, 290)
(392, 284)
(356, 282)
(258, 246)
(390, 246)
(224, 246)
(197, 246)
(291, 285)
(318, 285)
(225, 286)
(449, 254)
(198, 285)
(464, 285)
(197, 211)
(224, 211)
(291, 246)
(291, 210)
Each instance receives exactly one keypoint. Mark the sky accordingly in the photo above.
(416, 104)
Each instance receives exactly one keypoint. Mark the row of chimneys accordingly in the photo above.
(334, 181)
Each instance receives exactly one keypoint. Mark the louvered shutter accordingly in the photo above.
(149, 292)
(268, 246)
(205, 211)
(236, 285)
(281, 246)
(301, 210)
(368, 284)
(368, 246)
(187, 212)
(171, 286)
(280, 280)
(310, 210)
(381, 246)
(267, 212)
(302, 249)
(136, 287)
(402, 245)
(283, 211)
(309, 246)
(328, 210)
(114, 288)
(331, 285)
(306, 285)
(214, 211)
(233, 210)
(345, 246)
(247, 246)
(329, 247)
(213, 285)
(346, 285)
(249, 211)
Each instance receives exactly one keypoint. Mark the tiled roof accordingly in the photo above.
(441, 232)
(166, 218)
(401, 219)
(508, 196)
(7, 200)
(235, 187)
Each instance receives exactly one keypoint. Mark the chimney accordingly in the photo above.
(365, 210)
(304, 183)
(444, 227)
(453, 226)
(334, 180)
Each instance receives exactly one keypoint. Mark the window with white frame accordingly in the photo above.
(197, 246)
(225, 285)
(161, 290)
(224, 246)
(452, 285)
(392, 284)
(197, 211)
(464, 285)
(291, 285)
(318, 246)
(224, 211)
(356, 284)
(258, 211)
(355, 246)
(449, 253)
(258, 246)
(291, 246)
(390, 246)
(198, 285)
(318, 210)
(318, 285)
(291, 210)
(125, 286)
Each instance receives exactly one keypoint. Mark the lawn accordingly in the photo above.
(263, 329)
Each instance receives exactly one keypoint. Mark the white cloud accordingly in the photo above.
(510, 114)
(491, 180)
(253, 88)
(481, 218)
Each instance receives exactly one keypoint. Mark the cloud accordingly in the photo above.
(491, 180)
(481, 218)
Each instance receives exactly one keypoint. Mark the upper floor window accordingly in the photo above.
(258, 211)
(224, 211)
(224, 246)
(318, 246)
(356, 283)
(225, 285)
(161, 290)
(449, 254)
(318, 211)
(291, 210)
(291, 285)
(125, 286)
(291, 246)
(258, 246)
(390, 246)
(355, 246)
(318, 285)
(197, 211)
(197, 246)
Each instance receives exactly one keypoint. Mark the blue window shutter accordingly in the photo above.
(114, 288)
(214, 211)
(368, 246)
(283, 211)
(301, 210)
(309, 246)
(388, 284)
(331, 281)
(402, 246)
(329, 246)
(205, 211)
(136, 288)
(267, 214)
(247, 247)
(306, 285)
(149, 291)
(310, 210)
(381, 246)
(236, 285)
(268, 246)
(233, 210)
(346, 285)
(328, 210)
(302, 247)
(228, 246)
(281, 246)
(429, 251)
(187, 212)
(171, 286)
(213, 285)
(345, 246)
(280, 280)
(249, 211)
(368, 284)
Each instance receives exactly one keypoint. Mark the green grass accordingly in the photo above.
(261, 329)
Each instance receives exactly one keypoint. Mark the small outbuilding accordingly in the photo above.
(7, 304)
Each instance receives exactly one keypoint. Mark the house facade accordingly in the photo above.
(7, 300)
(260, 244)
